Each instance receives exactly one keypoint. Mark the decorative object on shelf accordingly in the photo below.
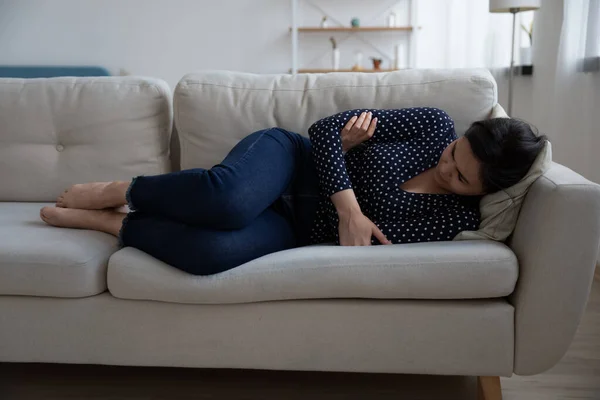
(525, 55)
(513, 7)
(400, 56)
(324, 22)
(526, 51)
(335, 55)
(377, 63)
(392, 19)
(358, 59)
(355, 22)
(529, 31)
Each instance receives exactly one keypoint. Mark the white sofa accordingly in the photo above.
(453, 308)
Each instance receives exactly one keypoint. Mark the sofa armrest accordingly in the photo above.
(556, 242)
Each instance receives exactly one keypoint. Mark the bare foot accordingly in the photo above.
(98, 220)
(94, 196)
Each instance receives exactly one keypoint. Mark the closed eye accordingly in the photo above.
(460, 176)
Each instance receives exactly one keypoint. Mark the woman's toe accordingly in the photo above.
(43, 214)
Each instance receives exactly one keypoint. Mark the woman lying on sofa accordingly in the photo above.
(365, 177)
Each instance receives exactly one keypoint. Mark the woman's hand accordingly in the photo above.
(356, 230)
(357, 130)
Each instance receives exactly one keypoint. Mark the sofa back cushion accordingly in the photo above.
(59, 131)
(216, 109)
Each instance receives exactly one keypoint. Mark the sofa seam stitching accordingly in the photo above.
(200, 83)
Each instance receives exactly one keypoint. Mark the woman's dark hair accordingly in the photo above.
(506, 148)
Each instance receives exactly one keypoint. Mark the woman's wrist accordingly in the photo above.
(348, 213)
(346, 204)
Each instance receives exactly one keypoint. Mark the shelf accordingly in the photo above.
(324, 71)
(359, 29)
(404, 31)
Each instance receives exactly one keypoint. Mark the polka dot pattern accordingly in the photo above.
(406, 143)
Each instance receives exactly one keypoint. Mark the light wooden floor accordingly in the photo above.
(577, 376)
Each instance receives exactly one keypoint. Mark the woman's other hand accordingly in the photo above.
(356, 230)
(357, 130)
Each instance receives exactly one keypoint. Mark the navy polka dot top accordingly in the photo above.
(406, 142)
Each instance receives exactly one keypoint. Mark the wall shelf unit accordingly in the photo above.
(407, 39)
(357, 29)
(325, 71)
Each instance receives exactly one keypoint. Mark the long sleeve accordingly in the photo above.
(399, 125)
(325, 136)
(393, 126)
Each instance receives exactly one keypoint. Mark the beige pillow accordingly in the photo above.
(500, 210)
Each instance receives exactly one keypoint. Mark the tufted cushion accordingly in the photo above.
(215, 110)
(59, 131)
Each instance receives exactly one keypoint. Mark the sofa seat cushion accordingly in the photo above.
(41, 260)
(443, 270)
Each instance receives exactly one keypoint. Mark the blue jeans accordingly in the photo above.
(260, 199)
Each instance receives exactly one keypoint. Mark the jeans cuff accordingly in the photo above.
(121, 231)
(128, 195)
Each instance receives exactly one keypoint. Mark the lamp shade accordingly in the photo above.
(504, 6)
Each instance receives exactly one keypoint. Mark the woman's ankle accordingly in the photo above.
(109, 222)
(117, 191)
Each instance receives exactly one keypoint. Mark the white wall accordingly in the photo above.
(168, 38)
(161, 38)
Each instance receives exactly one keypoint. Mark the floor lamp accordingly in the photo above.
(513, 7)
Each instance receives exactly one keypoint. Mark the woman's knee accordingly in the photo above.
(274, 132)
(280, 133)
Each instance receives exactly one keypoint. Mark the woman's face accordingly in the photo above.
(458, 169)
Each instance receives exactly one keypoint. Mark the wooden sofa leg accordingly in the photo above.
(488, 388)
